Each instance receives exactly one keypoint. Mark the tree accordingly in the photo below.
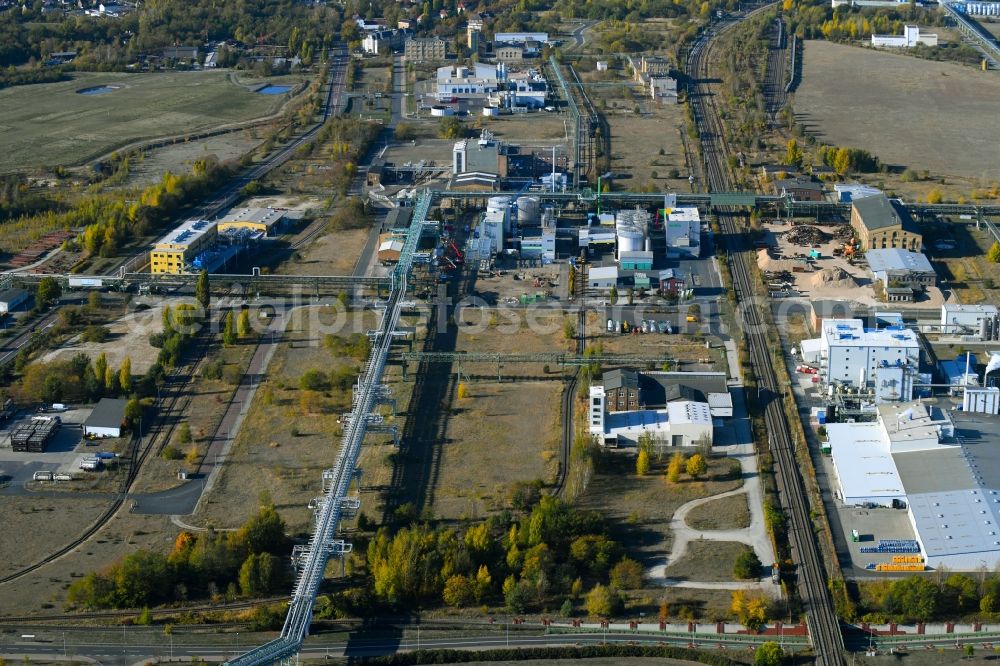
(994, 252)
(750, 608)
(793, 153)
(768, 654)
(110, 381)
(202, 290)
(627, 575)
(463, 391)
(101, 368)
(243, 324)
(613, 295)
(675, 467)
(602, 601)
(125, 375)
(229, 331)
(642, 463)
(913, 598)
(457, 592)
(48, 292)
(934, 196)
(747, 565)
(569, 329)
(184, 434)
(94, 300)
(566, 610)
(696, 466)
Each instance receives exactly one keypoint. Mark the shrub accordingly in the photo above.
(95, 334)
(747, 565)
(314, 380)
(627, 574)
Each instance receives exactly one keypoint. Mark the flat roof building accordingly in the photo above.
(683, 231)
(944, 467)
(263, 220)
(424, 49)
(852, 355)
(981, 322)
(681, 423)
(174, 252)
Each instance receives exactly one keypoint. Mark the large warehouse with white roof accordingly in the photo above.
(944, 467)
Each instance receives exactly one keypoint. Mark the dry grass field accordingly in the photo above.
(44, 590)
(725, 513)
(910, 112)
(178, 157)
(490, 444)
(285, 442)
(49, 124)
(706, 561)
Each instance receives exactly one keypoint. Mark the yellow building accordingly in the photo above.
(883, 223)
(175, 251)
(265, 220)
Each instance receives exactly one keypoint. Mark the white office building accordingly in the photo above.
(683, 232)
(521, 37)
(466, 83)
(885, 360)
(911, 37)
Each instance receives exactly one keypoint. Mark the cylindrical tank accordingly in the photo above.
(441, 111)
(527, 210)
(497, 203)
(630, 239)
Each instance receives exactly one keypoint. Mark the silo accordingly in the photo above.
(527, 211)
(630, 239)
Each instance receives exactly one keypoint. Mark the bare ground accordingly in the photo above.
(129, 337)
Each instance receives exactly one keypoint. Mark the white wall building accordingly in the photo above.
(682, 423)
(911, 37)
(663, 89)
(521, 37)
(683, 232)
(492, 226)
(883, 359)
(465, 83)
(602, 277)
(979, 321)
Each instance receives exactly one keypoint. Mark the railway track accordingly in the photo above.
(824, 626)
(775, 96)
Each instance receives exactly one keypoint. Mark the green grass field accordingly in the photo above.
(51, 124)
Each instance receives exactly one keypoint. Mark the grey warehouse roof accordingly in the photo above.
(895, 259)
(109, 413)
(878, 212)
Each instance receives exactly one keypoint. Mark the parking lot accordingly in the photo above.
(62, 455)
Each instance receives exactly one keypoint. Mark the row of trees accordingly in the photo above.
(922, 598)
(251, 562)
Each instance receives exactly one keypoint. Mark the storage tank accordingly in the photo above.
(630, 239)
(439, 111)
(528, 211)
(497, 203)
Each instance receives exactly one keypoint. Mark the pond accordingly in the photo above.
(97, 90)
(274, 90)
